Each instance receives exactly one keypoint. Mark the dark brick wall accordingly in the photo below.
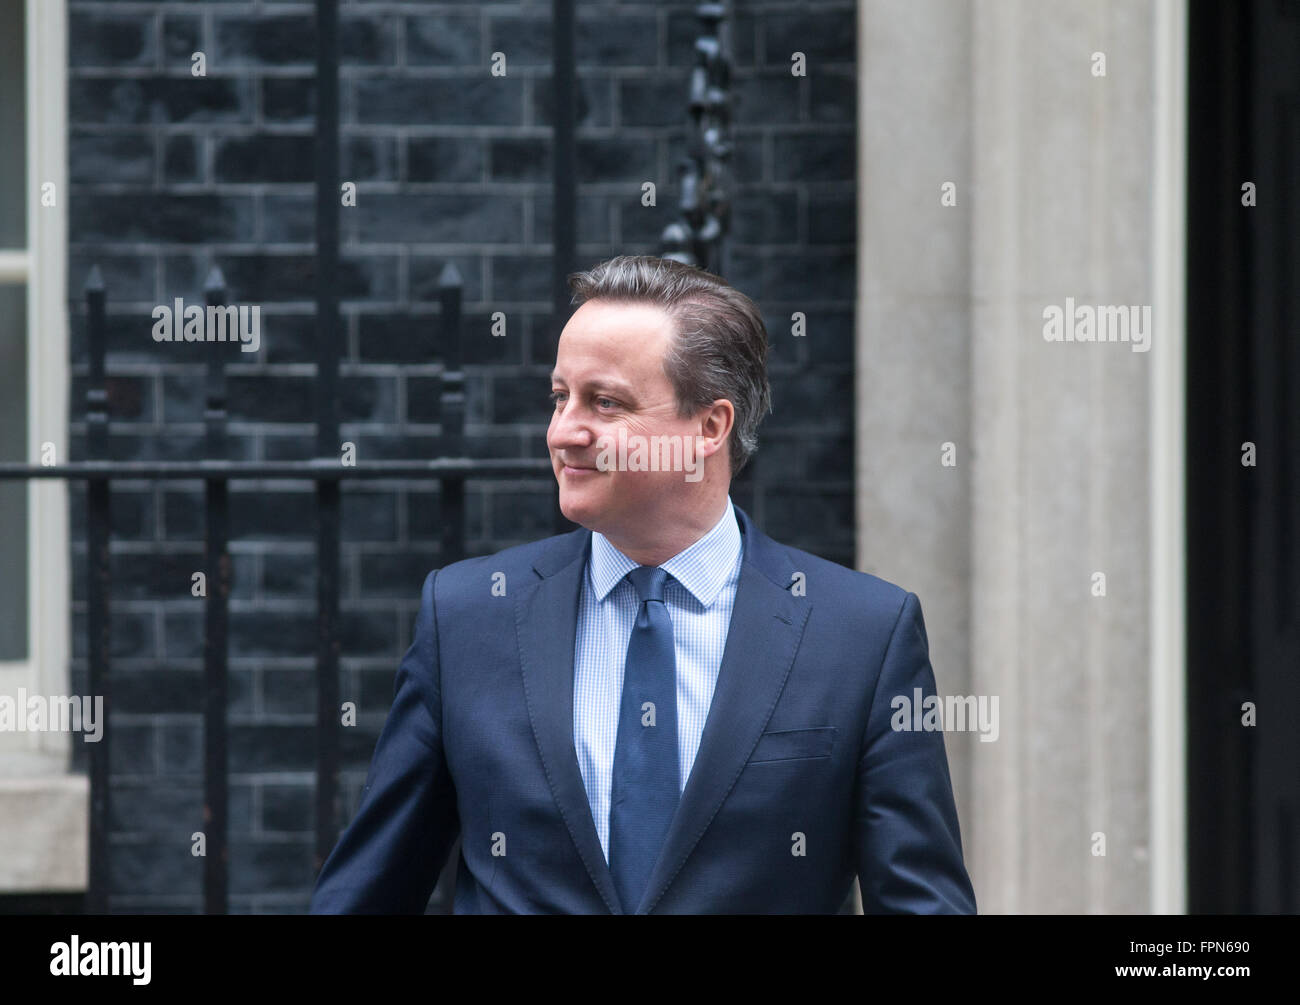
(172, 174)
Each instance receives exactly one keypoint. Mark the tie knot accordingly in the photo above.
(649, 582)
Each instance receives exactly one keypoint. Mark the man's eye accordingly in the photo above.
(556, 396)
(609, 401)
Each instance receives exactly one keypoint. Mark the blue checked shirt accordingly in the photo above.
(699, 597)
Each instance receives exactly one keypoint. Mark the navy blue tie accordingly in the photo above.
(644, 792)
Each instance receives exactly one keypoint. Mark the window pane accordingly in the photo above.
(13, 494)
(13, 127)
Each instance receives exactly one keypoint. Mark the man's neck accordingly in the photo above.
(658, 552)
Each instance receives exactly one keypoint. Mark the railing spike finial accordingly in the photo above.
(216, 281)
(450, 276)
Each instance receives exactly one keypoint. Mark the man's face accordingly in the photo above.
(609, 376)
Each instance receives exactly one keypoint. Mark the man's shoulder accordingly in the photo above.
(509, 565)
(846, 594)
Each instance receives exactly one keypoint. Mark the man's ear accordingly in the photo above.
(716, 423)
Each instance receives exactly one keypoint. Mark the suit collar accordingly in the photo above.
(703, 567)
(766, 628)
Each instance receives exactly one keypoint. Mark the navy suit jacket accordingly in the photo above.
(798, 785)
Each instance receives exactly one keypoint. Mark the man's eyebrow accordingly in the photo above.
(616, 386)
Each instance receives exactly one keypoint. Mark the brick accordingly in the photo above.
(368, 158)
(263, 633)
(181, 746)
(834, 97)
(616, 159)
(289, 808)
(832, 218)
(165, 576)
(263, 40)
(267, 747)
(619, 40)
(288, 219)
(288, 691)
(517, 159)
(180, 39)
(521, 514)
(445, 158)
(367, 40)
(265, 157)
(368, 515)
(823, 36)
(769, 217)
(116, 158)
(790, 510)
(593, 107)
(516, 278)
(171, 219)
(765, 96)
(521, 400)
(110, 40)
(157, 691)
(147, 100)
(289, 575)
(181, 160)
(131, 749)
(826, 275)
(658, 101)
(160, 866)
(133, 516)
(367, 399)
(394, 575)
(149, 807)
(259, 279)
(445, 40)
(593, 217)
(807, 156)
(465, 218)
(289, 99)
(526, 40)
(822, 399)
(478, 100)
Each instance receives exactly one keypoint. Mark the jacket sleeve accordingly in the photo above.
(908, 839)
(388, 859)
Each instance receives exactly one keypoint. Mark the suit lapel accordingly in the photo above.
(766, 628)
(546, 620)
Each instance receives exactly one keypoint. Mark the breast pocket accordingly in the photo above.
(794, 745)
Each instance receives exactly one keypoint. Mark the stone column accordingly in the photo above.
(1053, 165)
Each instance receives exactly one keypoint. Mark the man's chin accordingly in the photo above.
(580, 507)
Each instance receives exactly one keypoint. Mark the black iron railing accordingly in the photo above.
(704, 209)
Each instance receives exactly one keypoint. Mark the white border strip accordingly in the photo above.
(1168, 693)
(49, 616)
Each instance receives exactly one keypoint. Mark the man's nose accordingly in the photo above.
(568, 427)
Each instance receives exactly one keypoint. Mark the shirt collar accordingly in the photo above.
(702, 568)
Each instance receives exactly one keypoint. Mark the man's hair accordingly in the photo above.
(720, 344)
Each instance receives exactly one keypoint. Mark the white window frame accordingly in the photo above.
(43, 807)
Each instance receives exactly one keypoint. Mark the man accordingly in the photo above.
(666, 711)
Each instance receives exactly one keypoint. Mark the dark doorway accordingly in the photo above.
(1243, 370)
